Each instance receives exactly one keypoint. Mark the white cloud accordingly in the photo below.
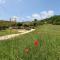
(50, 13)
(28, 17)
(15, 17)
(46, 14)
(40, 16)
(36, 16)
(43, 15)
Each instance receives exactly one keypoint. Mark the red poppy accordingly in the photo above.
(36, 43)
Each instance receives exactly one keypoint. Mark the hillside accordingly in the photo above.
(53, 20)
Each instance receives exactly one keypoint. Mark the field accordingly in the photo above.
(8, 32)
(47, 49)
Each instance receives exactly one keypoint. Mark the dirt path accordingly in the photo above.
(14, 35)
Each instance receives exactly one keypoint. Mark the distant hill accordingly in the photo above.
(53, 20)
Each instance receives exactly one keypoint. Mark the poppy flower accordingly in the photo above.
(36, 43)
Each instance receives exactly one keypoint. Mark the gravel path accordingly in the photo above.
(14, 35)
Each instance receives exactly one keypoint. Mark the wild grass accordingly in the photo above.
(8, 32)
(48, 48)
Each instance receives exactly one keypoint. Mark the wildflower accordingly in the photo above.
(36, 43)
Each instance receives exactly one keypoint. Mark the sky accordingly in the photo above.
(27, 10)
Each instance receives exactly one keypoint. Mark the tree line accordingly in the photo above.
(55, 20)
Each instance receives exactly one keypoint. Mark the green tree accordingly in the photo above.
(19, 24)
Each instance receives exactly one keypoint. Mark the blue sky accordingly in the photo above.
(28, 9)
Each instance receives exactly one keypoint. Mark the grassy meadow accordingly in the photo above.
(8, 32)
(48, 48)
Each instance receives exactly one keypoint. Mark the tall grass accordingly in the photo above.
(48, 48)
(8, 32)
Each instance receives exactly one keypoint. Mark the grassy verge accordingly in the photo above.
(7, 32)
(48, 48)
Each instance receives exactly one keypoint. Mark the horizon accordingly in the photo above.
(24, 10)
(29, 20)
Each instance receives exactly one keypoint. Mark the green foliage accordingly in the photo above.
(35, 22)
(19, 24)
(53, 20)
(26, 25)
(6, 24)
